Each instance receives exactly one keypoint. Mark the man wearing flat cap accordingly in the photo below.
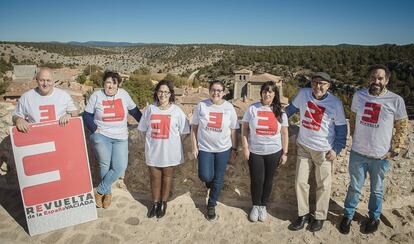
(322, 136)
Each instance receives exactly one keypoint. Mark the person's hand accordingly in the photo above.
(64, 120)
(195, 152)
(283, 159)
(331, 155)
(233, 155)
(22, 125)
(389, 155)
(246, 153)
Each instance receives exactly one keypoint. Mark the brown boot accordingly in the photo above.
(107, 198)
(98, 199)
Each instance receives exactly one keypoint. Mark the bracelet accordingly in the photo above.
(234, 149)
(285, 153)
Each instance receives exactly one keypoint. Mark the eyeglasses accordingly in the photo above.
(321, 84)
(216, 90)
(44, 80)
(165, 93)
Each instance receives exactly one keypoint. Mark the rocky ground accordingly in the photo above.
(126, 222)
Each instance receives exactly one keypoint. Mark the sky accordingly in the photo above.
(253, 22)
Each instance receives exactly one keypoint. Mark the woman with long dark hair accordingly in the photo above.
(163, 124)
(265, 145)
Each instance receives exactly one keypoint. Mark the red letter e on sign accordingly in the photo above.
(51, 162)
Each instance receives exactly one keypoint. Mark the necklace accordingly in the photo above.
(164, 107)
(111, 105)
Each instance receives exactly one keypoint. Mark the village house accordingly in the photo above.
(247, 85)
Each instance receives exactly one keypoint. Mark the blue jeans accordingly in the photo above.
(359, 165)
(112, 155)
(211, 169)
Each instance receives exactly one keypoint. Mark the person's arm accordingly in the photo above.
(74, 113)
(352, 120)
(339, 142)
(194, 143)
(88, 118)
(341, 131)
(245, 141)
(291, 109)
(64, 119)
(21, 124)
(135, 113)
(234, 143)
(285, 145)
(398, 139)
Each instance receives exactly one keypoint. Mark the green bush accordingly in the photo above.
(140, 89)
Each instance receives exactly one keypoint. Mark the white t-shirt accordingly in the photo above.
(264, 129)
(162, 129)
(37, 108)
(215, 123)
(374, 122)
(318, 119)
(111, 112)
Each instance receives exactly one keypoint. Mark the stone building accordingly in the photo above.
(23, 73)
(247, 85)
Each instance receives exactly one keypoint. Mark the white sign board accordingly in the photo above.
(54, 175)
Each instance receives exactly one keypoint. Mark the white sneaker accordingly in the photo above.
(254, 214)
(262, 213)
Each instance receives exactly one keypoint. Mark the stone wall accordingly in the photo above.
(398, 184)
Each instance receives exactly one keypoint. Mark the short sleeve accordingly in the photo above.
(130, 104)
(90, 106)
(184, 124)
(70, 106)
(340, 114)
(285, 122)
(400, 112)
(297, 101)
(247, 116)
(143, 123)
(355, 103)
(195, 117)
(234, 123)
(20, 110)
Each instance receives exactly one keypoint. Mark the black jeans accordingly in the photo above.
(262, 169)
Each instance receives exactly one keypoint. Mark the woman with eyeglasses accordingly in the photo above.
(106, 116)
(163, 124)
(214, 139)
(265, 144)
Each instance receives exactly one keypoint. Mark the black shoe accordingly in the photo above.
(211, 212)
(153, 211)
(372, 225)
(209, 184)
(345, 225)
(316, 225)
(299, 223)
(162, 208)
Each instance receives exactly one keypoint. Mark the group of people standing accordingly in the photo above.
(264, 134)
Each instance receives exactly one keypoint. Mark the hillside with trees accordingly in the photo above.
(347, 64)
